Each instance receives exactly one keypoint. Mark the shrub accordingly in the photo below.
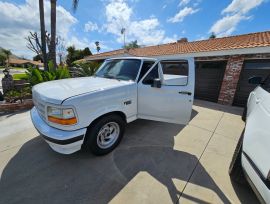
(13, 96)
(36, 76)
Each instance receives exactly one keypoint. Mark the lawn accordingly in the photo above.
(19, 76)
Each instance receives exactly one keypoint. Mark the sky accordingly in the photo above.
(150, 22)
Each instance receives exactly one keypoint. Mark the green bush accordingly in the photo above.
(36, 76)
(14, 95)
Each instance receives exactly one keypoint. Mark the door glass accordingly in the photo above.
(175, 72)
(146, 66)
(153, 74)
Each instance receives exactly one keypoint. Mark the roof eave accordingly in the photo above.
(242, 51)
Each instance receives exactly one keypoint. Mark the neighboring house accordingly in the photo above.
(13, 62)
(223, 65)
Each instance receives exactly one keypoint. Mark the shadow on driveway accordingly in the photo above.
(36, 174)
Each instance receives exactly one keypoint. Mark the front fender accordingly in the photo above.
(105, 111)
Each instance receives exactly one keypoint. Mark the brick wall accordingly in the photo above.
(230, 80)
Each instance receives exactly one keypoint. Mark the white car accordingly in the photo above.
(91, 112)
(251, 157)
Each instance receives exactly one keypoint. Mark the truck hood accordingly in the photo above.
(57, 91)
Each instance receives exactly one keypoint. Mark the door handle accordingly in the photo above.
(185, 92)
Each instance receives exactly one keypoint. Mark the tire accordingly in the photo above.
(235, 170)
(105, 134)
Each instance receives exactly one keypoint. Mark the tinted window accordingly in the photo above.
(123, 69)
(153, 74)
(175, 73)
(175, 67)
(146, 66)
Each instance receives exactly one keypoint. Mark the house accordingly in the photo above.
(223, 65)
(15, 62)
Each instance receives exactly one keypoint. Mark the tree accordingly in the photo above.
(7, 54)
(35, 45)
(74, 54)
(38, 58)
(86, 52)
(3, 58)
(75, 5)
(43, 34)
(52, 48)
(212, 36)
(97, 46)
(132, 44)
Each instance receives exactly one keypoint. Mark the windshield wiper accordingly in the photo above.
(109, 76)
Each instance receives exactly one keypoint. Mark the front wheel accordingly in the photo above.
(105, 134)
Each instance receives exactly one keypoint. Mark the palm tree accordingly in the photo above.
(75, 5)
(43, 34)
(97, 46)
(52, 49)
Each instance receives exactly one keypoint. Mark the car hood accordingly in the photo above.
(57, 91)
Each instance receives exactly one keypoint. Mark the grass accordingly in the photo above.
(19, 76)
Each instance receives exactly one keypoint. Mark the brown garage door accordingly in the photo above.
(209, 77)
(250, 69)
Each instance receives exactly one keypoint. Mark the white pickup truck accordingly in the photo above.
(91, 112)
(251, 156)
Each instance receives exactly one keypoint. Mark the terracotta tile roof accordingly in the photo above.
(22, 61)
(252, 40)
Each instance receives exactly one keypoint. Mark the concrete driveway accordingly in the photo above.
(155, 163)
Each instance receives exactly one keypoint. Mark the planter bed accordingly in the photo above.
(12, 107)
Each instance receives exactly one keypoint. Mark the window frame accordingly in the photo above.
(175, 60)
(143, 61)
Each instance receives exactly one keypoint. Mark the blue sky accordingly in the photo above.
(150, 22)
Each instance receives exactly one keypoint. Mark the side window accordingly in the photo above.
(153, 74)
(175, 72)
(145, 67)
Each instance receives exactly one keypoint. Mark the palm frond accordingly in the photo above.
(75, 5)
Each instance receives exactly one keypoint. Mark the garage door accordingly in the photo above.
(209, 77)
(250, 69)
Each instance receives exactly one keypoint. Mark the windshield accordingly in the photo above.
(122, 69)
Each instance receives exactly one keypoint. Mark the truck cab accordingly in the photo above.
(91, 112)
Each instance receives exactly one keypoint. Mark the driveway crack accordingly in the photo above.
(200, 158)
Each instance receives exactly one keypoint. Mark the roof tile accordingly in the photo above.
(252, 40)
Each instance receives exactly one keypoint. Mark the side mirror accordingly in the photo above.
(156, 83)
(255, 80)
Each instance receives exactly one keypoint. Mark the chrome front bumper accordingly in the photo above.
(62, 141)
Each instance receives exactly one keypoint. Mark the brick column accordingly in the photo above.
(230, 80)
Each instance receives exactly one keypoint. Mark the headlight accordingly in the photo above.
(62, 116)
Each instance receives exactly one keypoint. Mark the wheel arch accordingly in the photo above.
(119, 113)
